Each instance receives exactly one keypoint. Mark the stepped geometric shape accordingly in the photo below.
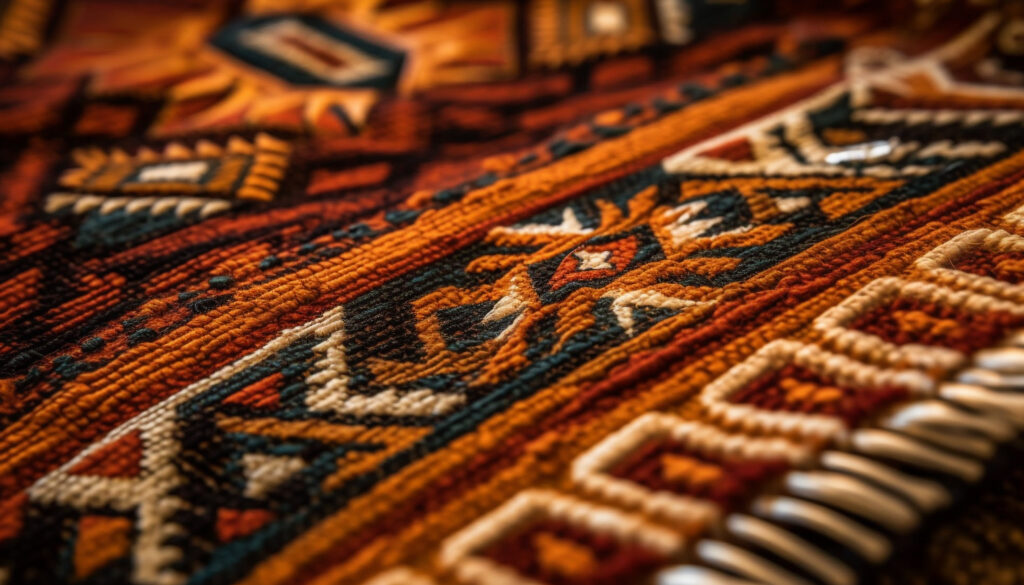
(307, 50)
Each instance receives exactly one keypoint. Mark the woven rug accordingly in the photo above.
(685, 292)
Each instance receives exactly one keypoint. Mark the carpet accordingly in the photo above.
(421, 292)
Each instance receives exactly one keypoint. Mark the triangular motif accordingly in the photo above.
(122, 458)
(262, 394)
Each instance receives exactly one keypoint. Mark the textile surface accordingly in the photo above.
(544, 292)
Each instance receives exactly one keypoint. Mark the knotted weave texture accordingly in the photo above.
(559, 292)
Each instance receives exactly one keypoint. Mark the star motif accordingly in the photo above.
(593, 260)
